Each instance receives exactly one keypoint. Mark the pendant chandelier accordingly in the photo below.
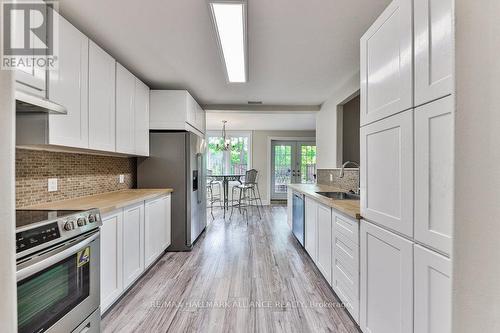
(226, 141)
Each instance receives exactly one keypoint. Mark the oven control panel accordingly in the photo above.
(50, 228)
(34, 237)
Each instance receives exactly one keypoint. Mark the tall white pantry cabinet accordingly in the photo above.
(407, 119)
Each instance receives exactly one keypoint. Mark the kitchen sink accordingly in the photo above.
(339, 195)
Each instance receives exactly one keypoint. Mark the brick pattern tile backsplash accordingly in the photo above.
(77, 175)
(348, 182)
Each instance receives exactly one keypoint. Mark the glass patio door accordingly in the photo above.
(291, 162)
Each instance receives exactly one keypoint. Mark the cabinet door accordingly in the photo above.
(432, 292)
(387, 172)
(28, 78)
(152, 242)
(141, 118)
(125, 110)
(101, 99)
(200, 118)
(433, 49)
(324, 261)
(68, 86)
(311, 228)
(111, 259)
(133, 243)
(191, 110)
(386, 64)
(434, 174)
(386, 288)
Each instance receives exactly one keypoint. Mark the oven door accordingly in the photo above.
(58, 289)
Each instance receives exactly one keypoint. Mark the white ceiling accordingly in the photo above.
(248, 121)
(300, 51)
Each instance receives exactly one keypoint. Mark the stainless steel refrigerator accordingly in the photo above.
(177, 160)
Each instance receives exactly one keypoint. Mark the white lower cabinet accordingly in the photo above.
(111, 258)
(386, 288)
(133, 243)
(345, 262)
(126, 238)
(157, 228)
(311, 228)
(432, 292)
(332, 242)
(324, 261)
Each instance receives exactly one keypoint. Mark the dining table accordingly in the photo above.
(225, 179)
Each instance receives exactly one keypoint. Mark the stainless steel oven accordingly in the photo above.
(58, 285)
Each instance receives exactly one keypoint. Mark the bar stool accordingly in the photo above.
(247, 193)
(214, 196)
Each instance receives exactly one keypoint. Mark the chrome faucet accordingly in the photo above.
(341, 175)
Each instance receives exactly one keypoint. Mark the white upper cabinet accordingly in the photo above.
(28, 78)
(432, 292)
(68, 86)
(176, 110)
(132, 113)
(141, 118)
(433, 49)
(434, 174)
(311, 228)
(387, 172)
(386, 63)
(125, 110)
(386, 287)
(324, 261)
(101, 100)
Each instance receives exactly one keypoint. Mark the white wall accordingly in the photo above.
(260, 158)
(476, 271)
(326, 124)
(261, 120)
(8, 308)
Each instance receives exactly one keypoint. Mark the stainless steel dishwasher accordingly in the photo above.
(298, 217)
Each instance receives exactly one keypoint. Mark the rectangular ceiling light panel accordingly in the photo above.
(230, 24)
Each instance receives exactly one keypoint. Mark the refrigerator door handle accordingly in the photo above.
(199, 167)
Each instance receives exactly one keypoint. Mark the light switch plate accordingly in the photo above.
(52, 184)
(122, 179)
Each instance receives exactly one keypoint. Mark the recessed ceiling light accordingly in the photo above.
(229, 19)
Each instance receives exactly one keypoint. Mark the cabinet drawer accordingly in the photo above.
(346, 226)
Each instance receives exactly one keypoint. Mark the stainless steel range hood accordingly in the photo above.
(30, 103)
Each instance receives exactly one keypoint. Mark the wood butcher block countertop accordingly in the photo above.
(106, 202)
(348, 207)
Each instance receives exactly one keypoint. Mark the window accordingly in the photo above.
(236, 160)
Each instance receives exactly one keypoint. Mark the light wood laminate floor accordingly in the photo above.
(239, 278)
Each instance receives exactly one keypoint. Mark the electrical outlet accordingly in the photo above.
(331, 177)
(52, 184)
(121, 179)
